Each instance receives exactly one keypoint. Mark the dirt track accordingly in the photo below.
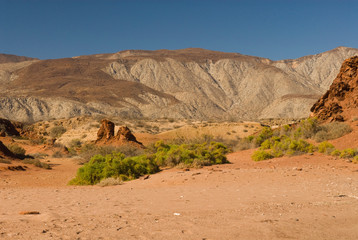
(302, 197)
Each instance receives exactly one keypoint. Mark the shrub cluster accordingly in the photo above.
(310, 128)
(57, 131)
(119, 166)
(17, 150)
(280, 146)
(306, 129)
(189, 155)
(114, 165)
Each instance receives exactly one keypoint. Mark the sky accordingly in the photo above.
(275, 29)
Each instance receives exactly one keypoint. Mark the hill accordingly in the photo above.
(188, 83)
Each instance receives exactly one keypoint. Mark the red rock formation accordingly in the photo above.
(105, 135)
(340, 102)
(106, 131)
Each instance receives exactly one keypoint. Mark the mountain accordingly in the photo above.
(340, 102)
(8, 58)
(188, 83)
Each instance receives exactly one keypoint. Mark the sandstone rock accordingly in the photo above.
(341, 100)
(106, 131)
(105, 135)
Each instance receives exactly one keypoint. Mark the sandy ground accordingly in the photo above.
(302, 197)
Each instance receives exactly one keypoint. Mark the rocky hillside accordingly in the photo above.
(340, 102)
(188, 83)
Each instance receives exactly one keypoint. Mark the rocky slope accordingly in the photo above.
(340, 102)
(188, 83)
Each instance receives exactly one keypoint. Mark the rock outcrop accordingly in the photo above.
(105, 135)
(340, 102)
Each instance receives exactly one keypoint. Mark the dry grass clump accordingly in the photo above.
(57, 131)
(7, 161)
(332, 130)
(17, 150)
(57, 154)
(37, 163)
(110, 182)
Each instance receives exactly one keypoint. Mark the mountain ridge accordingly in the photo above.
(186, 83)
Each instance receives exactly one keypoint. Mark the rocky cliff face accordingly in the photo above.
(188, 83)
(340, 102)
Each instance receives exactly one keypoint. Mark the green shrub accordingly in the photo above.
(265, 133)
(87, 151)
(287, 145)
(348, 153)
(260, 155)
(355, 159)
(114, 165)
(186, 154)
(336, 153)
(326, 147)
(57, 131)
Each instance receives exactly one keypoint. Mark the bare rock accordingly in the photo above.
(340, 100)
(106, 131)
(105, 135)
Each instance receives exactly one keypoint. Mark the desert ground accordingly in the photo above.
(300, 197)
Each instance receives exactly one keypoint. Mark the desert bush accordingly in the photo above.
(355, 159)
(57, 131)
(187, 154)
(332, 130)
(265, 133)
(75, 143)
(261, 155)
(109, 182)
(38, 155)
(57, 154)
(348, 153)
(336, 153)
(37, 163)
(87, 151)
(17, 150)
(114, 165)
(282, 145)
(7, 161)
(326, 147)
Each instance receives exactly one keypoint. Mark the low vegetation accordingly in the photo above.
(57, 131)
(17, 150)
(123, 167)
(36, 163)
(291, 140)
(114, 165)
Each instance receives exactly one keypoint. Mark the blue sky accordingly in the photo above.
(268, 28)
